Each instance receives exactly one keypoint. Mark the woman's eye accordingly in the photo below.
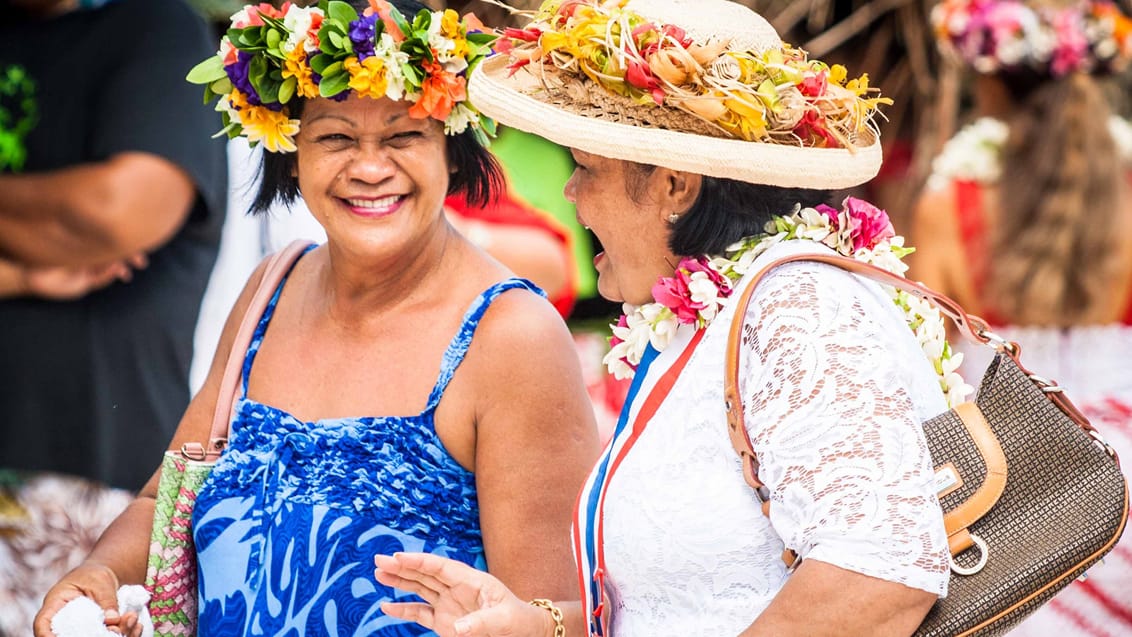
(405, 136)
(332, 138)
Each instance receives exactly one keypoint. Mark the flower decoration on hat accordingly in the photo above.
(1008, 35)
(271, 57)
(774, 96)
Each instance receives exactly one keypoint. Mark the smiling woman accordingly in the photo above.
(402, 390)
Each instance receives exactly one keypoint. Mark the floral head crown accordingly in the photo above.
(774, 96)
(271, 57)
(998, 35)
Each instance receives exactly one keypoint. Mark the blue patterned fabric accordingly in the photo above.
(287, 525)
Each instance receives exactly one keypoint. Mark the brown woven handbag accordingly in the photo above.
(1032, 495)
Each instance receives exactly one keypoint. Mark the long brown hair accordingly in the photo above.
(1054, 245)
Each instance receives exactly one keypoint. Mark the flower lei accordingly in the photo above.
(975, 152)
(776, 96)
(270, 57)
(697, 291)
(992, 35)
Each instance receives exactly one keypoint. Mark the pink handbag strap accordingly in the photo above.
(278, 265)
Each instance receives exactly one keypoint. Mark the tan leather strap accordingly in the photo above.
(278, 265)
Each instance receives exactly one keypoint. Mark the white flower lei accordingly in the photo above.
(975, 152)
(656, 323)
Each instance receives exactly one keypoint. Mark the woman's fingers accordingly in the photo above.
(457, 582)
(428, 591)
(414, 612)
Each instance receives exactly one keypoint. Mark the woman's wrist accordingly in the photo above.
(553, 619)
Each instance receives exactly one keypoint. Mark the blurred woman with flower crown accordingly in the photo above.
(363, 111)
(705, 150)
(1027, 221)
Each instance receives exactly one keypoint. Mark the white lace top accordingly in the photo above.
(835, 389)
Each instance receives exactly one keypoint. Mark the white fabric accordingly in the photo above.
(82, 617)
(835, 388)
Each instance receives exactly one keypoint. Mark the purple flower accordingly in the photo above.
(238, 74)
(362, 32)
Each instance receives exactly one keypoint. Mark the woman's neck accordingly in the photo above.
(362, 290)
(992, 98)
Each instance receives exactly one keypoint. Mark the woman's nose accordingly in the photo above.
(371, 164)
(569, 190)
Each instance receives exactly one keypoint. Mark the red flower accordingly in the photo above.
(814, 84)
(813, 131)
(639, 75)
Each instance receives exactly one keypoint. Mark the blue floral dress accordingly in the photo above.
(287, 524)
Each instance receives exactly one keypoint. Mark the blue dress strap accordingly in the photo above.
(261, 327)
(458, 348)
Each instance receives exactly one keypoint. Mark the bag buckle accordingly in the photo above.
(984, 552)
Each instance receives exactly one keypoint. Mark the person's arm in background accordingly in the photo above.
(93, 214)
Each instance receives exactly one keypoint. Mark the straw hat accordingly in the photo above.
(573, 111)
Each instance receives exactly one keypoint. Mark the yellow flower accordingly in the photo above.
(296, 66)
(273, 128)
(368, 78)
(450, 24)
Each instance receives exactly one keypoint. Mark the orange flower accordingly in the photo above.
(439, 93)
(296, 66)
(384, 10)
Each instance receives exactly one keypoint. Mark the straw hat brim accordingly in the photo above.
(519, 100)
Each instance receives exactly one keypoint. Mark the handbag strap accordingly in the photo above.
(278, 265)
(970, 326)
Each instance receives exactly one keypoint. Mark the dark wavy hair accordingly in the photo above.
(477, 177)
(725, 211)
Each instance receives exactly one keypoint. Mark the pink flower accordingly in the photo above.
(830, 213)
(1072, 46)
(638, 74)
(672, 292)
(869, 225)
(814, 84)
(700, 264)
(614, 340)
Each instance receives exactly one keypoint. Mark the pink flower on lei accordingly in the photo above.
(1072, 46)
(865, 224)
(694, 292)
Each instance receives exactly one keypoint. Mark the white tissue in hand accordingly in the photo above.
(81, 617)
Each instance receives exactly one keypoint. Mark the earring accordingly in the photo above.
(673, 218)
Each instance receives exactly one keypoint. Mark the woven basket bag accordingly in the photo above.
(171, 569)
(1032, 496)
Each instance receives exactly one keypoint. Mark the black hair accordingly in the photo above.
(726, 210)
(477, 177)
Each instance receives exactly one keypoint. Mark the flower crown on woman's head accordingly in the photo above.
(271, 57)
(776, 95)
(1007, 35)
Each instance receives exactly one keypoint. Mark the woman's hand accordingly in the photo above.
(95, 581)
(460, 600)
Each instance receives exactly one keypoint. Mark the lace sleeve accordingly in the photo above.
(836, 390)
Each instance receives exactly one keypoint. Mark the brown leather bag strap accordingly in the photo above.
(278, 265)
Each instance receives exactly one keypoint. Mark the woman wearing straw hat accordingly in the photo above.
(388, 395)
(705, 150)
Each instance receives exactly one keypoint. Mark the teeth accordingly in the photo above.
(384, 202)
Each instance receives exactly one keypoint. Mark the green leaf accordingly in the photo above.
(320, 62)
(273, 39)
(336, 39)
(401, 22)
(334, 84)
(287, 90)
(480, 39)
(257, 70)
(207, 71)
(221, 87)
(268, 92)
(412, 75)
(333, 69)
(342, 12)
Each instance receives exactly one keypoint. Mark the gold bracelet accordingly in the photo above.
(555, 614)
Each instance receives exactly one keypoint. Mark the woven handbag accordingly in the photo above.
(1031, 493)
(171, 569)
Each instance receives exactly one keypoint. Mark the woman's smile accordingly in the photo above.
(375, 207)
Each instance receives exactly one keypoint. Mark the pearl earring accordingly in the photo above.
(673, 218)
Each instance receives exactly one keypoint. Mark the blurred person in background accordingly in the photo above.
(111, 202)
(1027, 222)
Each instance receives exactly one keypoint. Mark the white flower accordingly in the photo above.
(390, 54)
(459, 119)
(444, 47)
(662, 332)
(243, 17)
(614, 361)
(298, 22)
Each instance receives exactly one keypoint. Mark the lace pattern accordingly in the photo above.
(835, 389)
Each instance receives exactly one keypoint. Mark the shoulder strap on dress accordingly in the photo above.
(458, 348)
(278, 266)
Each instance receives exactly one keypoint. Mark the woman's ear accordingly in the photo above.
(678, 190)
